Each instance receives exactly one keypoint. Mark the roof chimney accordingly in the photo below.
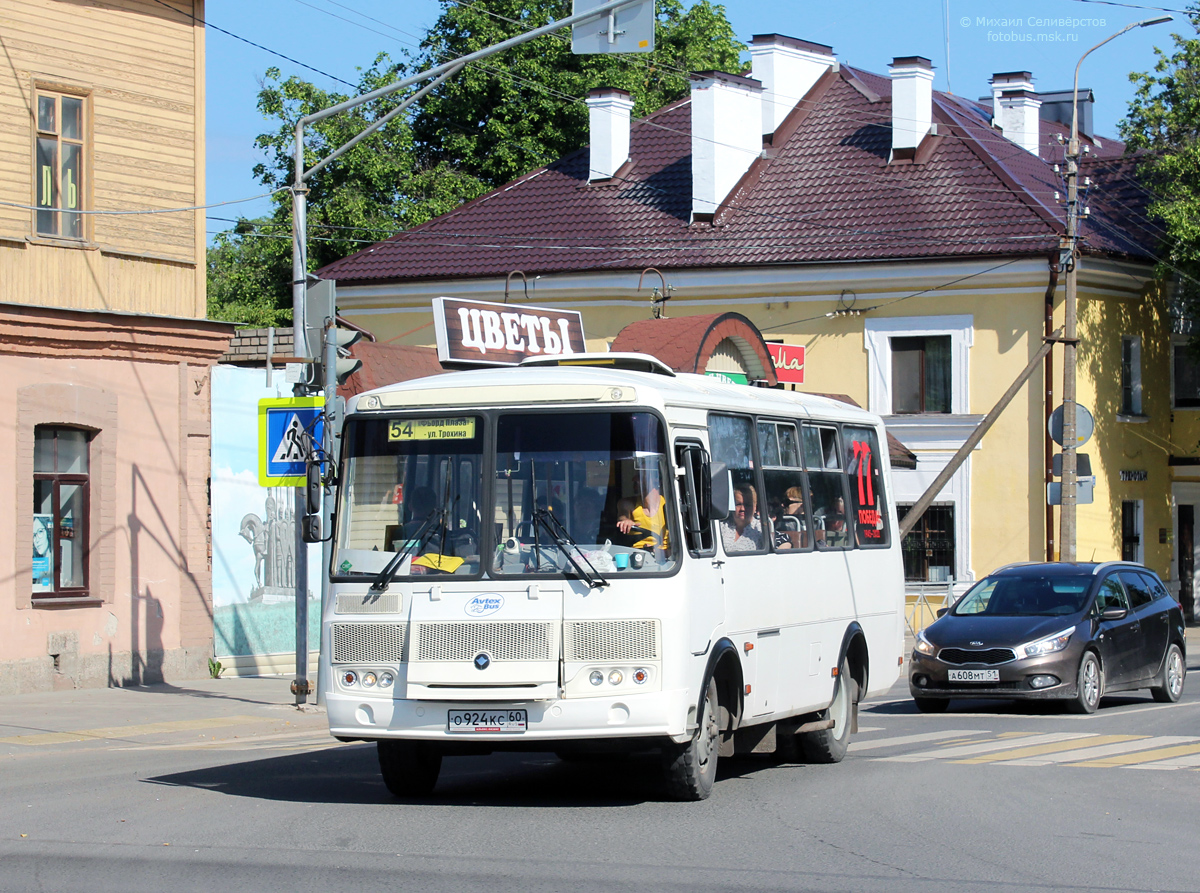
(912, 103)
(608, 124)
(1015, 108)
(1057, 107)
(726, 135)
(788, 69)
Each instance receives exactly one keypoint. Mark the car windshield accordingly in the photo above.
(1025, 595)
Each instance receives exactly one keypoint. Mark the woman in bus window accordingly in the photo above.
(739, 534)
(649, 512)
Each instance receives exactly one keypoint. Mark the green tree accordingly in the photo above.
(514, 112)
(1164, 122)
(495, 120)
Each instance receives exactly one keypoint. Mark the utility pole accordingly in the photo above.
(1069, 256)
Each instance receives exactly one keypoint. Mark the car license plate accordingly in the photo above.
(974, 675)
(486, 721)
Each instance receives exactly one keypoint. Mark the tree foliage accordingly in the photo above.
(1164, 122)
(493, 121)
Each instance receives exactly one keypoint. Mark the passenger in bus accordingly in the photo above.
(831, 524)
(649, 512)
(739, 534)
(787, 518)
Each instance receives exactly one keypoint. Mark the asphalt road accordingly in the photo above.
(987, 797)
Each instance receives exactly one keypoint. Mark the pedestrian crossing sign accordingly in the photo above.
(289, 430)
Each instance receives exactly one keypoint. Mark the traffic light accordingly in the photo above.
(320, 308)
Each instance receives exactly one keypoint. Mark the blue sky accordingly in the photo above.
(968, 41)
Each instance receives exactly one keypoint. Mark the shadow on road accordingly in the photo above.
(350, 774)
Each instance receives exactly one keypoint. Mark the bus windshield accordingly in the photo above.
(600, 478)
(411, 485)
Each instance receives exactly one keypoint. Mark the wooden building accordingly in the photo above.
(105, 354)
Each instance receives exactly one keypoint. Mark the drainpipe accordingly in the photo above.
(1048, 404)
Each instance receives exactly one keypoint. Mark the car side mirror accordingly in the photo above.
(942, 612)
(722, 493)
(1113, 614)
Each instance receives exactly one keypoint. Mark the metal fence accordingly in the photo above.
(922, 601)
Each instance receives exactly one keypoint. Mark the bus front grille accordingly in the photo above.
(370, 603)
(610, 640)
(368, 642)
(501, 641)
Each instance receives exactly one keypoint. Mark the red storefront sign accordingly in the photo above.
(789, 362)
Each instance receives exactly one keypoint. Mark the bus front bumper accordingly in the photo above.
(652, 714)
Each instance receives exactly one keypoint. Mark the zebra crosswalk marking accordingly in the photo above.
(1042, 749)
(875, 744)
(968, 750)
(1135, 742)
(1145, 756)
(1185, 762)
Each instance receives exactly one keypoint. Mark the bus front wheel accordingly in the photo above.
(409, 768)
(692, 769)
(830, 745)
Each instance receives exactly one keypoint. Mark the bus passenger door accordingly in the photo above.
(703, 568)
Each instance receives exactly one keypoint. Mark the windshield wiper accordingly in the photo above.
(385, 576)
(559, 534)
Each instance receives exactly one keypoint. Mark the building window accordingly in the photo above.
(58, 164)
(921, 374)
(60, 511)
(1186, 377)
(928, 548)
(1131, 376)
(1131, 530)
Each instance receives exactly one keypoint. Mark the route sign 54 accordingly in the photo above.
(289, 430)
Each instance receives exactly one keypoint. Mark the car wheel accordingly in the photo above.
(1090, 685)
(409, 768)
(830, 745)
(1170, 681)
(692, 768)
(932, 705)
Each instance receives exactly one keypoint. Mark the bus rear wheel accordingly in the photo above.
(692, 769)
(409, 768)
(830, 745)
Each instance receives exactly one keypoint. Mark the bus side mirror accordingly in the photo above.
(312, 486)
(697, 482)
(310, 529)
(722, 494)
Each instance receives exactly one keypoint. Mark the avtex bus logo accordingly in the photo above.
(483, 605)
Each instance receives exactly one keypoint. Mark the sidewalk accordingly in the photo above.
(108, 713)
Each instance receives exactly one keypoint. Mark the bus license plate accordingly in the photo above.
(974, 675)
(486, 721)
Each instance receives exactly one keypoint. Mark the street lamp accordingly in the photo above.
(1069, 252)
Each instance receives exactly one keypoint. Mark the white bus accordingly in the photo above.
(597, 555)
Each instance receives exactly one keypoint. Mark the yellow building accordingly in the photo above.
(104, 350)
(908, 239)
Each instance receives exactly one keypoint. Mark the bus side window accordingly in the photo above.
(694, 489)
(865, 478)
(732, 440)
(786, 518)
(826, 482)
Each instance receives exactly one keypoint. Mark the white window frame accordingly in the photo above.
(877, 338)
(1135, 374)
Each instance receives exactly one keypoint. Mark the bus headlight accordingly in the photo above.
(369, 679)
(640, 675)
(615, 677)
(386, 680)
(349, 677)
(597, 678)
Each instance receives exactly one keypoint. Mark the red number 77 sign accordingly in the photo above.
(866, 490)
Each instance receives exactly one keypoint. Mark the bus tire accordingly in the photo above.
(409, 768)
(691, 769)
(830, 745)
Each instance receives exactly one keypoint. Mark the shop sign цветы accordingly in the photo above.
(503, 334)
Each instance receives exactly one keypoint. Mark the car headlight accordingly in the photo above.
(924, 646)
(1048, 645)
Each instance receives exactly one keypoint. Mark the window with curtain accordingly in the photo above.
(921, 374)
(61, 483)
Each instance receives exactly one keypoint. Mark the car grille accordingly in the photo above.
(501, 640)
(610, 640)
(988, 656)
(368, 642)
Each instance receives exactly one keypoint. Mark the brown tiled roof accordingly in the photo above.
(827, 193)
(384, 364)
(686, 343)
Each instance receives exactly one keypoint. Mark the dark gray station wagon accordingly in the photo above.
(1073, 632)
